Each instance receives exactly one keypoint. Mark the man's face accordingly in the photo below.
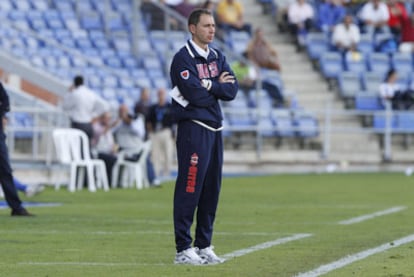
(203, 32)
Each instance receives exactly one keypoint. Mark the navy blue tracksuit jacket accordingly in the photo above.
(199, 149)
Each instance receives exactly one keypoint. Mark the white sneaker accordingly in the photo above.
(33, 190)
(208, 255)
(188, 256)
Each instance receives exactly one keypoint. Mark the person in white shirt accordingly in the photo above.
(103, 141)
(390, 90)
(130, 133)
(346, 35)
(300, 17)
(82, 106)
(374, 15)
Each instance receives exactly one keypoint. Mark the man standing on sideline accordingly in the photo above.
(6, 175)
(83, 105)
(160, 131)
(201, 77)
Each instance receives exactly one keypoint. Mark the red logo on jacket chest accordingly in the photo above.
(206, 71)
(192, 174)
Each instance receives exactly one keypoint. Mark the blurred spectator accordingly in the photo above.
(230, 16)
(261, 52)
(407, 35)
(82, 106)
(154, 16)
(247, 78)
(281, 13)
(330, 13)
(353, 6)
(144, 102)
(390, 91)
(130, 134)
(160, 127)
(103, 142)
(398, 14)
(300, 16)
(346, 35)
(185, 7)
(374, 16)
(209, 5)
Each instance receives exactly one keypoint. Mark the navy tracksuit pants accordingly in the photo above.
(197, 188)
(6, 177)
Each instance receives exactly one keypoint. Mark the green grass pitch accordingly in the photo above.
(129, 232)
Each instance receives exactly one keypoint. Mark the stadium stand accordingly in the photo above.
(68, 37)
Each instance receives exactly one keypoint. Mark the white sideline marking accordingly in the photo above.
(262, 246)
(355, 257)
(370, 216)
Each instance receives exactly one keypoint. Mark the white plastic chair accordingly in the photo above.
(72, 148)
(132, 172)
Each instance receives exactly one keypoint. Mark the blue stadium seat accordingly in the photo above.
(366, 44)
(144, 83)
(367, 102)
(91, 21)
(307, 126)
(371, 80)
(129, 62)
(151, 63)
(356, 63)
(379, 62)
(23, 5)
(266, 127)
(241, 119)
(331, 64)
(23, 120)
(113, 62)
(316, 45)
(239, 102)
(405, 121)
(6, 5)
(283, 123)
(41, 5)
(403, 62)
(379, 122)
(115, 22)
(349, 84)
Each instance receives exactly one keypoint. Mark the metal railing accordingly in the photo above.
(39, 146)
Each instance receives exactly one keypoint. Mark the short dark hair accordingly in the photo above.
(195, 15)
(390, 72)
(78, 81)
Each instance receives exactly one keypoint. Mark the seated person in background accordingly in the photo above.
(230, 15)
(346, 35)
(374, 16)
(300, 16)
(397, 13)
(261, 52)
(247, 78)
(407, 35)
(103, 142)
(281, 13)
(130, 134)
(330, 13)
(390, 91)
